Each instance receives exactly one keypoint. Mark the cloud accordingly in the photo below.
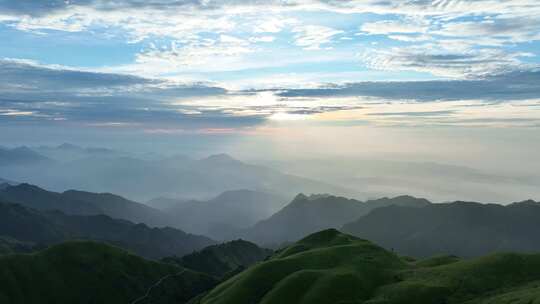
(38, 93)
(25, 81)
(410, 26)
(33, 92)
(441, 62)
(24, 75)
(411, 38)
(456, 28)
(311, 37)
(416, 113)
(164, 16)
(435, 113)
(501, 29)
(516, 85)
(423, 7)
(123, 101)
(272, 24)
(192, 55)
(262, 39)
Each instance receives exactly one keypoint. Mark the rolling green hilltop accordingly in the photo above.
(222, 259)
(89, 272)
(332, 267)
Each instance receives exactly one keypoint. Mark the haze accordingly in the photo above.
(436, 99)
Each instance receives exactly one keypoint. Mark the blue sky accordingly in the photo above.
(237, 66)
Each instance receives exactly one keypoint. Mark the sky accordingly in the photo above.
(449, 80)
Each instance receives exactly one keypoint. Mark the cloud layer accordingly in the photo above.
(36, 93)
(456, 34)
(238, 63)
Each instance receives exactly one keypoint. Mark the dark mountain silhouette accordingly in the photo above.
(4, 183)
(50, 227)
(231, 210)
(228, 211)
(85, 203)
(305, 215)
(37, 198)
(222, 259)
(89, 272)
(21, 156)
(460, 228)
(118, 207)
(330, 267)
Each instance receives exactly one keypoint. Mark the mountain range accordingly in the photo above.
(324, 267)
(21, 156)
(308, 214)
(51, 227)
(464, 229)
(84, 203)
(229, 211)
(144, 179)
(70, 152)
(411, 226)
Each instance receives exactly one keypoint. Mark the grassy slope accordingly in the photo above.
(88, 272)
(324, 267)
(331, 267)
(219, 260)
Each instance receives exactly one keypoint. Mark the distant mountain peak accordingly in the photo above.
(25, 150)
(527, 202)
(300, 197)
(234, 193)
(22, 154)
(222, 157)
(68, 146)
(27, 187)
(179, 158)
(21, 148)
(323, 237)
(314, 197)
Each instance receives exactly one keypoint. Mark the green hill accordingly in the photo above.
(88, 272)
(331, 267)
(220, 260)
